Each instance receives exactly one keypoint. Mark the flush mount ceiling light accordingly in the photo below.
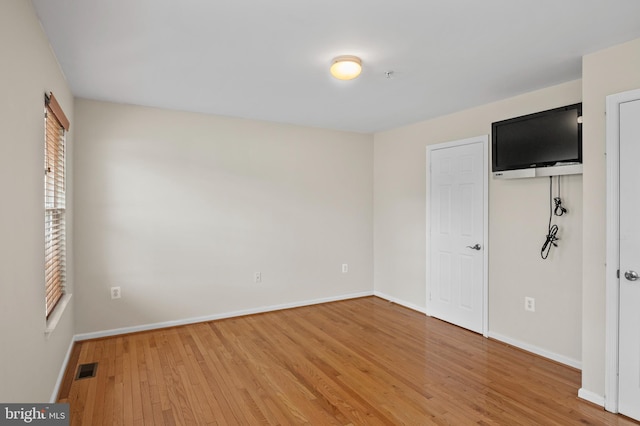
(346, 67)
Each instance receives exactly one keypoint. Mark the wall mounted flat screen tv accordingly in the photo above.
(541, 139)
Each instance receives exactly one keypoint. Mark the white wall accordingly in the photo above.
(29, 360)
(609, 71)
(180, 209)
(518, 212)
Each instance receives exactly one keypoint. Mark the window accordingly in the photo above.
(56, 126)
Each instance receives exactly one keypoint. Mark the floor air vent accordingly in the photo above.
(86, 370)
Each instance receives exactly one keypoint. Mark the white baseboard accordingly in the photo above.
(536, 350)
(63, 369)
(591, 397)
(166, 324)
(399, 302)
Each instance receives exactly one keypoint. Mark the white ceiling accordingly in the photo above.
(269, 60)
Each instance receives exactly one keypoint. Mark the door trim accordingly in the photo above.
(612, 283)
(484, 140)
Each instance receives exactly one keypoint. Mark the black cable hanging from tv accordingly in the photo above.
(552, 230)
(559, 210)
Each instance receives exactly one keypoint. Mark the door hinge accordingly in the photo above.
(618, 274)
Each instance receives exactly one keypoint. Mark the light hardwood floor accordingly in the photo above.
(361, 362)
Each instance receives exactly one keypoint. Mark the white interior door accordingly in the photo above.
(629, 312)
(456, 236)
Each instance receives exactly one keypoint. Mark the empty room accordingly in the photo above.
(354, 213)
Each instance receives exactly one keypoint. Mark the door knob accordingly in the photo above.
(631, 275)
(477, 247)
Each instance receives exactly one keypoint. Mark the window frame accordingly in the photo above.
(56, 127)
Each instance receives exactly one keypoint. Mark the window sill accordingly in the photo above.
(57, 314)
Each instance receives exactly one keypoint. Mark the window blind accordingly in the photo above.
(56, 124)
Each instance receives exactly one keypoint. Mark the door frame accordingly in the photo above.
(484, 141)
(612, 283)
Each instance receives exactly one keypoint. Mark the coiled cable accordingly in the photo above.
(552, 231)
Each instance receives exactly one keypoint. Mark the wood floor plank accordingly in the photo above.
(357, 362)
(320, 378)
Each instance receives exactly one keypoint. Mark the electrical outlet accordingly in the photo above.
(529, 304)
(257, 277)
(345, 268)
(116, 293)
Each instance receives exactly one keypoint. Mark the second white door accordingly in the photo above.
(629, 332)
(456, 232)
